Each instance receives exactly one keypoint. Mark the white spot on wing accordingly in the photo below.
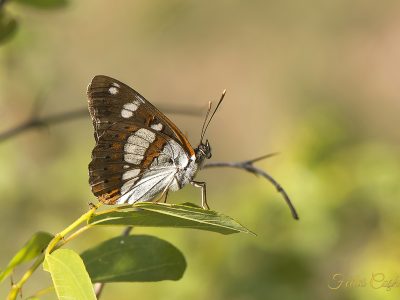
(133, 158)
(129, 108)
(138, 141)
(113, 90)
(126, 113)
(157, 127)
(116, 84)
(146, 134)
(134, 149)
(130, 174)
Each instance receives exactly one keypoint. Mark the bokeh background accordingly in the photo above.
(317, 81)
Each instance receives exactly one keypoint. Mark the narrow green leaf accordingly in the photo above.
(70, 279)
(32, 248)
(8, 27)
(43, 3)
(185, 215)
(139, 258)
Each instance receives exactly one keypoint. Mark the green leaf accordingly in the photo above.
(185, 215)
(32, 248)
(70, 278)
(44, 3)
(139, 258)
(8, 27)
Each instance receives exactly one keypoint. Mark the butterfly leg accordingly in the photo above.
(202, 185)
(164, 192)
(166, 196)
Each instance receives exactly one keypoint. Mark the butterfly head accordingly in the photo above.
(203, 151)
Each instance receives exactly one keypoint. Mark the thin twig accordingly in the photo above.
(38, 122)
(98, 287)
(248, 166)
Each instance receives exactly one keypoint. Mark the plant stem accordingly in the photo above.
(74, 235)
(59, 236)
(16, 288)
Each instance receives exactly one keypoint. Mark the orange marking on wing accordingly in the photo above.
(153, 152)
(110, 198)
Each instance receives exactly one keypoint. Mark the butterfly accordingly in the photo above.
(139, 154)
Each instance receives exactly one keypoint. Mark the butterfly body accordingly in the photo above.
(139, 152)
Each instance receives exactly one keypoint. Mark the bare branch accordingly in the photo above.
(39, 122)
(36, 122)
(248, 166)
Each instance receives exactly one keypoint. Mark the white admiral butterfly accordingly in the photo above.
(139, 152)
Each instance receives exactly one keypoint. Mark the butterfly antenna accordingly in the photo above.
(215, 110)
(205, 120)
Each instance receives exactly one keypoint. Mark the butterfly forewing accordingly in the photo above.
(111, 101)
(137, 147)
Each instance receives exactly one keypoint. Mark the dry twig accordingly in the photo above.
(248, 166)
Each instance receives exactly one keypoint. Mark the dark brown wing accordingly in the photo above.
(118, 114)
(107, 97)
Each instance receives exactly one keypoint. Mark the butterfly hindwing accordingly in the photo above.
(139, 171)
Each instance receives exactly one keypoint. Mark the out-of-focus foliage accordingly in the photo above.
(8, 27)
(315, 80)
(43, 3)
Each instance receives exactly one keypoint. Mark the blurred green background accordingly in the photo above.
(317, 81)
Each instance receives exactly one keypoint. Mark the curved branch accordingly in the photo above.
(248, 166)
